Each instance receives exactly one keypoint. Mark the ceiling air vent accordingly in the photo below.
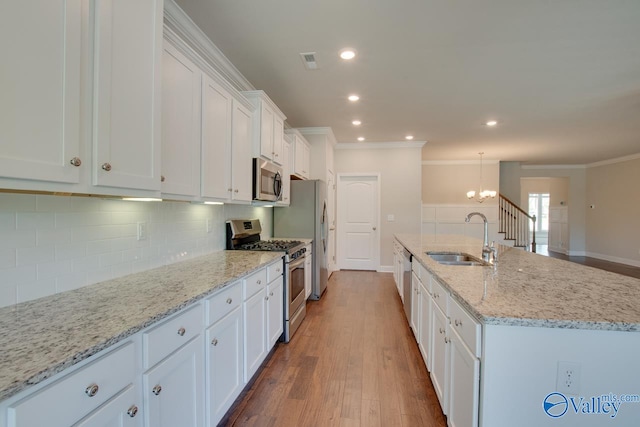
(309, 60)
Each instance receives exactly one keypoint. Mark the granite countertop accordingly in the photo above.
(43, 337)
(528, 289)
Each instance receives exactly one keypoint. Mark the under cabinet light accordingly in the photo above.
(142, 199)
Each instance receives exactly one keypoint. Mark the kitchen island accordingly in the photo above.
(45, 337)
(538, 315)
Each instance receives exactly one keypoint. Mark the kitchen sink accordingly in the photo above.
(456, 258)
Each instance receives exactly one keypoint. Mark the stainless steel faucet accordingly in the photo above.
(486, 250)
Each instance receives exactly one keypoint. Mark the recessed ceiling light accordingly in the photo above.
(347, 53)
(356, 122)
(491, 123)
(353, 98)
(361, 138)
(408, 137)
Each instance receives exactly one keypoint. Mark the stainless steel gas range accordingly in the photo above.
(244, 234)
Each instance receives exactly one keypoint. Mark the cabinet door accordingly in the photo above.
(121, 411)
(224, 365)
(286, 174)
(255, 339)
(216, 140)
(275, 311)
(127, 85)
(415, 305)
(40, 89)
(424, 342)
(241, 153)
(307, 272)
(266, 131)
(181, 92)
(174, 389)
(278, 140)
(440, 355)
(464, 384)
(306, 161)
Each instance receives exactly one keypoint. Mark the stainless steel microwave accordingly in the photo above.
(267, 181)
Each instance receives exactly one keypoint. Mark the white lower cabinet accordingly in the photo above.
(174, 389)
(255, 333)
(67, 400)
(121, 411)
(415, 306)
(275, 311)
(424, 340)
(464, 384)
(440, 356)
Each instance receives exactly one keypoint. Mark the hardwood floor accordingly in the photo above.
(353, 362)
(614, 267)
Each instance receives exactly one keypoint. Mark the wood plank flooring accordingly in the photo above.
(353, 362)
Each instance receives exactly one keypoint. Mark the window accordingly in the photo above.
(539, 206)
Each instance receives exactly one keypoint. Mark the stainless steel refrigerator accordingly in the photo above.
(306, 218)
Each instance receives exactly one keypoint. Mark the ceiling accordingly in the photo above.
(561, 77)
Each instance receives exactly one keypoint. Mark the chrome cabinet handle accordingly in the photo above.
(229, 190)
(92, 390)
(266, 298)
(229, 300)
(76, 161)
(441, 331)
(446, 340)
(235, 191)
(258, 282)
(106, 166)
(457, 322)
(182, 331)
(214, 342)
(270, 293)
(133, 410)
(157, 389)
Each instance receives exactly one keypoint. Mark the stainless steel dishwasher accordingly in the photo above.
(406, 282)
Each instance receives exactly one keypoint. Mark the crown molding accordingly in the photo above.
(378, 145)
(322, 130)
(178, 21)
(458, 162)
(539, 167)
(614, 161)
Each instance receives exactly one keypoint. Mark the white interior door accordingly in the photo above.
(358, 229)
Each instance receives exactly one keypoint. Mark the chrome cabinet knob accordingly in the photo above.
(229, 300)
(214, 342)
(271, 294)
(457, 322)
(157, 389)
(258, 282)
(266, 298)
(229, 190)
(182, 331)
(374, 228)
(106, 166)
(162, 178)
(76, 161)
(132, 411)
(92, 390)
(235, 191)
(446, 340)
(441, 331)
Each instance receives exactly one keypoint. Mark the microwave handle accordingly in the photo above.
(277, 185)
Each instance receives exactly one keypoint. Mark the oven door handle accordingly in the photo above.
(296, 263)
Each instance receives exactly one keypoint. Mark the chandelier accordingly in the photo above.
(482, 195)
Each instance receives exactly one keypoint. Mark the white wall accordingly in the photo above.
(400, 187)
(447, 183)
(613, 230)
(50, 244)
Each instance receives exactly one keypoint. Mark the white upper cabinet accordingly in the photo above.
(241, 173)
(268, 127)
(40, 41)
(181, 93)
(301, 154)
(127, 87)
(217, 106)
(286, 173)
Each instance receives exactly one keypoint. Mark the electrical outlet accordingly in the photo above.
(391, 217)
(142, 231)
(568, 380)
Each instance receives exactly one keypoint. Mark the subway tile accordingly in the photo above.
(7, 258)
(70, 251)
(53, 237)
(19, 274)
(17, 203)
(36, 255)
(53, 269)
(121, 270)
(46, 203)
(109, 259)
(85, 264)
(8, 294)
(99, 275)
(35, 289)
(122, 243)
(98, 247)
(7, 221)
(35, 220)
(132, 255)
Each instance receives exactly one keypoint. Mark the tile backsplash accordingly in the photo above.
(51, 244)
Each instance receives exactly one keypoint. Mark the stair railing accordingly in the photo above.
(515, 222)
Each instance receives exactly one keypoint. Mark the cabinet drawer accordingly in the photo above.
(74, 396)
(439, 294)
(222, 303)
(254, 283)
(172, 334)
(425, 278)
(467, 327)
(274, 270)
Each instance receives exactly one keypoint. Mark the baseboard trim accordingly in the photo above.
(609, 258)
(385, 269)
